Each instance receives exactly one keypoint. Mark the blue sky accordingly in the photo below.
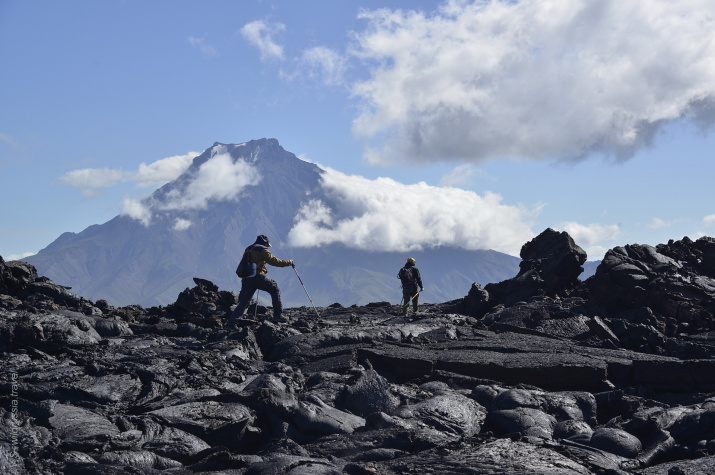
(495, 120)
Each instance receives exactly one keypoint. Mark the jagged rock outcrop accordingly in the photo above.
(539, 374)
(550, 266)
(669, 287)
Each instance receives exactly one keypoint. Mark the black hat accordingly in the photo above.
(262, 239)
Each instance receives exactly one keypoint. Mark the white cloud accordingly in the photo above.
(158, 173)
(324, 64)
(260, 34)
(89, 180)
(206, 49)
(163, 171)
(532, 79)
(657, 223)
(182, 224)
(18, 257)
(592, 238)
(384, 214)
(219, 178)
(709, 220)
(590, 234)
(135, 209)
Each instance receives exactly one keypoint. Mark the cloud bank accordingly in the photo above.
(558, 79)
(387, 215)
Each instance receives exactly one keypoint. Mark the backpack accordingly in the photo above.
(246, 268)
(407, 276)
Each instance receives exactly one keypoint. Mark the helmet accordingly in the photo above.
(411, 260)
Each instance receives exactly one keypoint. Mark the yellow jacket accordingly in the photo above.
(261, 256)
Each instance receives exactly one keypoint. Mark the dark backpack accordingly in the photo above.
(407, 276)
(246, 268)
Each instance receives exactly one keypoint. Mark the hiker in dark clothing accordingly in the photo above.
(260, 255)
(410, 277)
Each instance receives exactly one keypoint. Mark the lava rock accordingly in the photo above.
(543, 371)
(616, 441)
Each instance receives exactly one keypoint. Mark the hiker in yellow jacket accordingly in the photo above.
(260, 256)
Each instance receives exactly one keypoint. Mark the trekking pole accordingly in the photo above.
(306, 290)
(255, 309)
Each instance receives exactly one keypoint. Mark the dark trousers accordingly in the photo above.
(408, 293)
(249, 285)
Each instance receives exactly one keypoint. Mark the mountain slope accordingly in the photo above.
(180, 234)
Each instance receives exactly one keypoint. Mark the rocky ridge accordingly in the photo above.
(538, 374)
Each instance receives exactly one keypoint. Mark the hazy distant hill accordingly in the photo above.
(127, 262)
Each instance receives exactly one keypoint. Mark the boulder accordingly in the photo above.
(523, 421)
(314, 418)
(476, 303)
(169, 442)
(694, 425)
(616, 441)
(551, 264)
(574, 430)
(80, 429)
(212, 421)
(370, 393)
(451, 413)
(664, 279)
